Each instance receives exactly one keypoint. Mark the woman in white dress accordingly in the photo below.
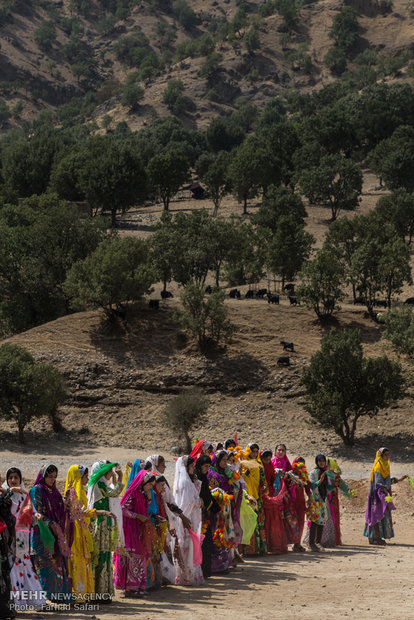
(186, 492)
(24, 581)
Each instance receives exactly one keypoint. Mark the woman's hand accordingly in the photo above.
(118, 471)
(322, 478)
(38, 516)
(16, 489)
(403, 478)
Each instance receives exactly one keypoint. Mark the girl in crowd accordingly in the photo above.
(273, 507)
(7, 546)
(321, 483)
(254, 477)
(131, 567)
(220, 478)
(158, 517)
(378, 518)
(209, 509)
(80, 561)
(186, 492)
(283, 469)
(23, 577)
(299, 505)
(48, 546)
(99, 493)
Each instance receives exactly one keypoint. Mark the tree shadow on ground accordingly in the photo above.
(401, 446)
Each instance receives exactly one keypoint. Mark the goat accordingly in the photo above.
(272, 299)
(261, 292)
(234, 294)
(154, 304)
(283, 361)
(293, 300)
(166, 294)
(287, 346)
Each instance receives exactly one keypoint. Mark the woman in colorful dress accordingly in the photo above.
(7, 550)
(225, 538)
(104, 527)
(131, 566)
(80, 561)
(186, 492)
(300, 471)
(273, 507)
(321, 483)
(49, 537)
(283, 470)
(24, 581)
(332, 531)
(255, 479)
(159, 520)
(378, 518)
(209, 509)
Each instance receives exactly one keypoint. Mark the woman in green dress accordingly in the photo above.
(104, 528)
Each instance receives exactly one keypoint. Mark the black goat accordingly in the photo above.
(293, 300)
(283, 361)
(287, 346)
(410, 301)
(261, 292)
(166, 294)
(272, 299)
(209, 289)
(289, 287)
(154, 304)
(234, 293)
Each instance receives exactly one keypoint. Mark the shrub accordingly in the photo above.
(172, 96)
(132, 94)
(45, 35)
(342, 385)
(205, 316)
(28, 389)
(184, 410)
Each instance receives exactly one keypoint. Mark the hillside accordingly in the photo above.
(76, 60)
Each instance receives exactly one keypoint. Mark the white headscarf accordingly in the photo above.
(17, 498)
(94, 492)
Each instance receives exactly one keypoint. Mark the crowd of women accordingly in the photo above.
(131, 531)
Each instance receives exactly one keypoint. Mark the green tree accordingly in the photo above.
(289, 247)
(397, 209)
(343, 240)
(279, 202)
(41, 239)
(28, 389)
(251, 40)
(163, 244)
(212, 169)
(322, 282)
(380, 266)
(345, 29)
(244, 265)
(335, 60)
(393, 160)
(4, 112)
(183, 411)
(223, 135)
(184, 14)
(249, 170)
(399, 330)
(342, 385)
(132, 95)
(111, 176)
(205, 316)
(117, 272)
(172, 96)
(336, 182)
(45, 35)
(167, 171)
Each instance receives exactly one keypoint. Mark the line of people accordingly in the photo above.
(130, 531)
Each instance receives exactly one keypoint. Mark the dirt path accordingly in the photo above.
(351, 581)
(355, 580)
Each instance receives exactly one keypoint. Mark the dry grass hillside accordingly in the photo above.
(121, 377)
(44, 79)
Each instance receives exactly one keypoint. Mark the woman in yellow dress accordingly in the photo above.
(80, 562)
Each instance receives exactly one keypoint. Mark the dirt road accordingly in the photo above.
(354, 580)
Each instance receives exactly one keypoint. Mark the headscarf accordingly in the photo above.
(136, 468)
(21, 507)
(74, 479)
(281, 463)
(333, 466)
(299, 469)
(217, 457)
(380, 466)
(52, 500)
(137, 502)
(98, 471)
(201, 447)
(321, 470)
(185, 491)
(269, 471)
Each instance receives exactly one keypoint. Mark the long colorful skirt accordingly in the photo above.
(258, 545)
(130, 572)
